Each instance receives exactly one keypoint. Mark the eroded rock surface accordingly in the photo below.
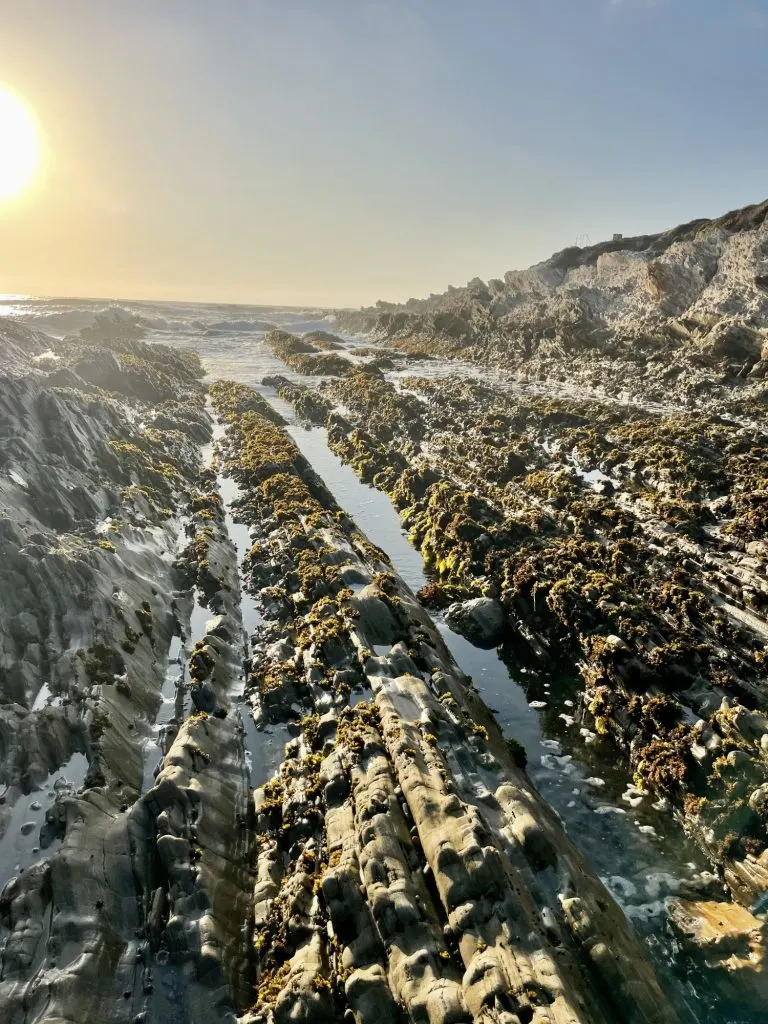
(164, 857)
(678, 315)
(730, 940)
(594, 473)
(120, 900)
(624, 549)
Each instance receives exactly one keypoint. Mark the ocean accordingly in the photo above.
(206, 326)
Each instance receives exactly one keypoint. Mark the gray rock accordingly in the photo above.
(24, 627)
(375, 621)
(219, 627)
(103, 368)
(352, 576)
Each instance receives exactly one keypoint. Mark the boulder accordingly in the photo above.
(481, 621)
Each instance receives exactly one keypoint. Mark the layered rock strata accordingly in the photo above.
(405, 866)
(681, 313)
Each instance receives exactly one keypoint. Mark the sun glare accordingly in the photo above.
(19, 146)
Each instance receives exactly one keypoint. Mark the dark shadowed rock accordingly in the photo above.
(204, 698)
(728, 340)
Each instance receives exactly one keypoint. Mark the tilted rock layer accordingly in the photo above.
(124, 890)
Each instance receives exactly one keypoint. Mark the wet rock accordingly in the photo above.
(376, 620)
(540, 546)
(103, 368)
(87, 543)
(406, 811)
(219, 626)
(352, 576)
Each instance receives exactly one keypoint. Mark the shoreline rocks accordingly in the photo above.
(680, 316)
(394, 861)
(730, 941)
(480, 620)
(100, 459)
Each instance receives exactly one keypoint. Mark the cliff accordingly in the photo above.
(691, 299)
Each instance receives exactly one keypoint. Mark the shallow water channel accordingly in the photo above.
(629, 841)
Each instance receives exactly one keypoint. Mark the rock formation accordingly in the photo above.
(405, 865)
(123, 896)
(679, 313)
(399, 865)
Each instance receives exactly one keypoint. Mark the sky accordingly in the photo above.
(334, 152)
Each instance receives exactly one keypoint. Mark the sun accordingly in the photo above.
(19, 146)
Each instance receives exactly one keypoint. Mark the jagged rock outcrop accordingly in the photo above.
(100, 460)
(324, 821)
(690, 303)
(590, 532)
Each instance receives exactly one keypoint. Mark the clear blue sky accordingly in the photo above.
(338, 151)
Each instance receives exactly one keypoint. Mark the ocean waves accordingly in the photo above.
(99, 320)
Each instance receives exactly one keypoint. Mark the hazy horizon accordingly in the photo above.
(332, 156)
(8, 297)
